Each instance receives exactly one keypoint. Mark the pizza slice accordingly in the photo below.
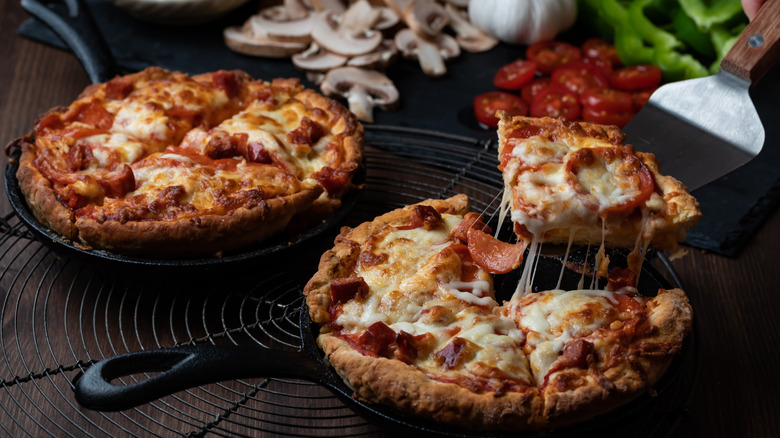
(578, 182)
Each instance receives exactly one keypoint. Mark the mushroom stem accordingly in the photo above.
(430, 59)
(360, 103)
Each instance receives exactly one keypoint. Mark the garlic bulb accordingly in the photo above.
(523, 21)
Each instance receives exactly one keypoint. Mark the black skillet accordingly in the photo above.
(281, 245)
(72, 21)
(175, 369)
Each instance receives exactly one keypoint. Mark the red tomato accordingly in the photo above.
(530, 89)
(636, 77)
(607, 99)
(556, 101)
(548, 55)
(640, 98)
(486, 105)
(578, 76)
(606, 118)
(601, 49)
(602, 65)
(514, 75)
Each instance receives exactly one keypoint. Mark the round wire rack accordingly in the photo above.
(60, 315)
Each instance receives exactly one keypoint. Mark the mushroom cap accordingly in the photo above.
(381, 58)
(239, 42)
(326, 33)
(426, 17)
(315, 58)
(336, 6)
(271, 24)
(344, 81)
(408, 42)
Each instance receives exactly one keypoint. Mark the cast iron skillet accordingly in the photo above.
(280, 245)
(72, 21)
(180, 368)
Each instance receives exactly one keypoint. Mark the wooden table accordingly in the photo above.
(735, 299)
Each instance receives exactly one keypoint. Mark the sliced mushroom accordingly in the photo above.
(274, 23)
(239, 42)
(296, 9)
(429, 53)
(469, 36)
(364, 89)
(336, 6)
(325, 31)
(317, 59)
(387, 19)
(426, 17)
(359, 18)
(381, 58)
(463, 4)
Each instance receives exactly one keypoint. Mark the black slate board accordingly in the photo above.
(733, 206)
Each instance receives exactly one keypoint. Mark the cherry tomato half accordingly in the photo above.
(530, 89)
(606, 118)
(548, 55)
(607, 99)
(640, 98)
(556, 101)
(577, 76)
(514, 75)
(601, 49)
(636, 77)
(486, 105)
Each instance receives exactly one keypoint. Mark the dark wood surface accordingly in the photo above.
(736, 299)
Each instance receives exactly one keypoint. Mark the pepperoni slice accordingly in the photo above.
(493, 255)
(611, 179)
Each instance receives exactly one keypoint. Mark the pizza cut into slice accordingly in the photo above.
(578, 182)
(410, 319)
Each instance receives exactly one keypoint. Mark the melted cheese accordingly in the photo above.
(551, 319)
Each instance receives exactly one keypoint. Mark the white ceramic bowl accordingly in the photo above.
(178, 12)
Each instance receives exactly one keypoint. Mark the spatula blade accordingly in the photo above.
(700, 129)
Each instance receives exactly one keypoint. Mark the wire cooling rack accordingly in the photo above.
(59, 316)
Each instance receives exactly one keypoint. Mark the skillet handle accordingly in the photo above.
(182, 368)
(73, 23)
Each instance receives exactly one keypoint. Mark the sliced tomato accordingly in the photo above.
(578, 76)
(605, 67)
(556, 101)
(486, 105)
(606, 99)
(607, 118)
(493, 255)
(530, 89)
(548, 55)
(639, 98)
(514, 75)
(598, 48)
(627, 185)
(636, 77)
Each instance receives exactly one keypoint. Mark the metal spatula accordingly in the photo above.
(702, 129)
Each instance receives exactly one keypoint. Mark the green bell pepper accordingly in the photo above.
(707, 13)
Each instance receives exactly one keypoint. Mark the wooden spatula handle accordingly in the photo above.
(757, 49)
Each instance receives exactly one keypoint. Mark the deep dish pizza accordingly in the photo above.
(161, 163)
(409, 318)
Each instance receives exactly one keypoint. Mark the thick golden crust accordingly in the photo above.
(662, 218)
(405, 387)
(631, 340)
(159, 163)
